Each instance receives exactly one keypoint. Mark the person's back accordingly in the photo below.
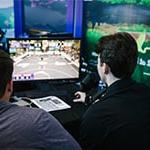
(24, 128)
(120, 120)
(31, 128)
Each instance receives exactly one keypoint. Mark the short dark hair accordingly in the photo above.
(6, 70)
(119, 51)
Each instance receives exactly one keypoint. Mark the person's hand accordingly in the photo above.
(80, 97)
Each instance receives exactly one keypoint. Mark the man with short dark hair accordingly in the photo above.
(120, 118)
(23, 128)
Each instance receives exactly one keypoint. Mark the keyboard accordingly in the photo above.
(21, 102)
(50, 103)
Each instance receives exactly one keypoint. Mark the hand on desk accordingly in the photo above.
(80, 97)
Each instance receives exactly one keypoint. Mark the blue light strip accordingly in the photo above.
(70, 14)
(78, 18)
(18, 18)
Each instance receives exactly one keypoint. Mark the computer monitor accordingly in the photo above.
(58, 17)
(45, 59)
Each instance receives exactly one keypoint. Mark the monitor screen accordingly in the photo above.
(104, 17)
(54, 16)
(45, 59)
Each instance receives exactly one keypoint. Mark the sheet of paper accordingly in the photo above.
(50, 103)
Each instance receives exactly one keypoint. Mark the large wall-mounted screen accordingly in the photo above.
(104, 17)
(7, 17)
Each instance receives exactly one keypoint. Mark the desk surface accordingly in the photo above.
(65, 92)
